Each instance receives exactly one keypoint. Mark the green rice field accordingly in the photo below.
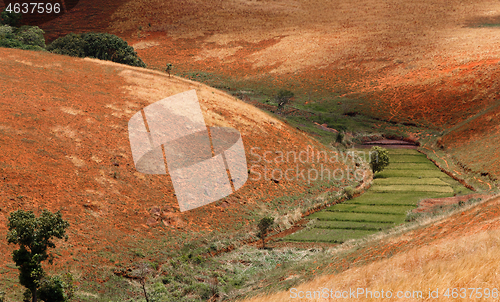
(409, 178)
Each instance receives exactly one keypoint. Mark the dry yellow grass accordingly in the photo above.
(354, 34)
(466, 262)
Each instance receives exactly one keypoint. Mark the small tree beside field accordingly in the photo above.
(379, 159)
(264, 225)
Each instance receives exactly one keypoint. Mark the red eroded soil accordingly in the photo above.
(65, 146)
(436, 204)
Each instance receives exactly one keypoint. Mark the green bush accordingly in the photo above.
(6, 32)
(380, 160)
(105, 46)
(31, 35)
(2, 296)
(349, 192)
(283, 98)
(11, 18)
(70, 45)
(340, 137)
(101, 46)
(25, 37)
(52, 290)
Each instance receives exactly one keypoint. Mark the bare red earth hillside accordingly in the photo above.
(65, 146)
(424, 63)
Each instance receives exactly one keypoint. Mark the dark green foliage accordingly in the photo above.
(340, 137)
(264, 225)
(105, 46)
(10, 18)
(52, 290)
(34, 236)
(70, 45)
(26, 37)
(31, 35)
(379, 159)
(283, 98)
(349, 192)
(101, 46)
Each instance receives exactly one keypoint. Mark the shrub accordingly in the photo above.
(283, 98)
(31, 35)
(26, 37)
(264, 225)
(340, 137)
(349, 192)
(10, 18)
(70, 45)
(2, 296)
(379, 159)
(105, 46)
(52, 290)
(101, 46)
(6, 32)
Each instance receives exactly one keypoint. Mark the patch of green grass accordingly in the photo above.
(401, 198)
(374, 209)
(411, 166)
(411, 188)
(359, 217)
(408, 158)
(428, 181)
(409, 173)
(354, 225)
(397, 190)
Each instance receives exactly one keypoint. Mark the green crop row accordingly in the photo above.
(328, 235)
(388, 173)
(429, 181)
(373, 209)
(402, 198)
(360, 217)
(412, 188)
(352, 225)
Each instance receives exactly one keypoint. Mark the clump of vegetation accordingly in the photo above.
(379, 159)
(70, 45)
(10, 18)
(25, 37)
(101, 46)
(34, 236)
(168, 68)
(264, 225)
(412, 216)
(283, 98)
(56, 289)
(349, 192)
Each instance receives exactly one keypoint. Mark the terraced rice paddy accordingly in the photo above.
(409, 178)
